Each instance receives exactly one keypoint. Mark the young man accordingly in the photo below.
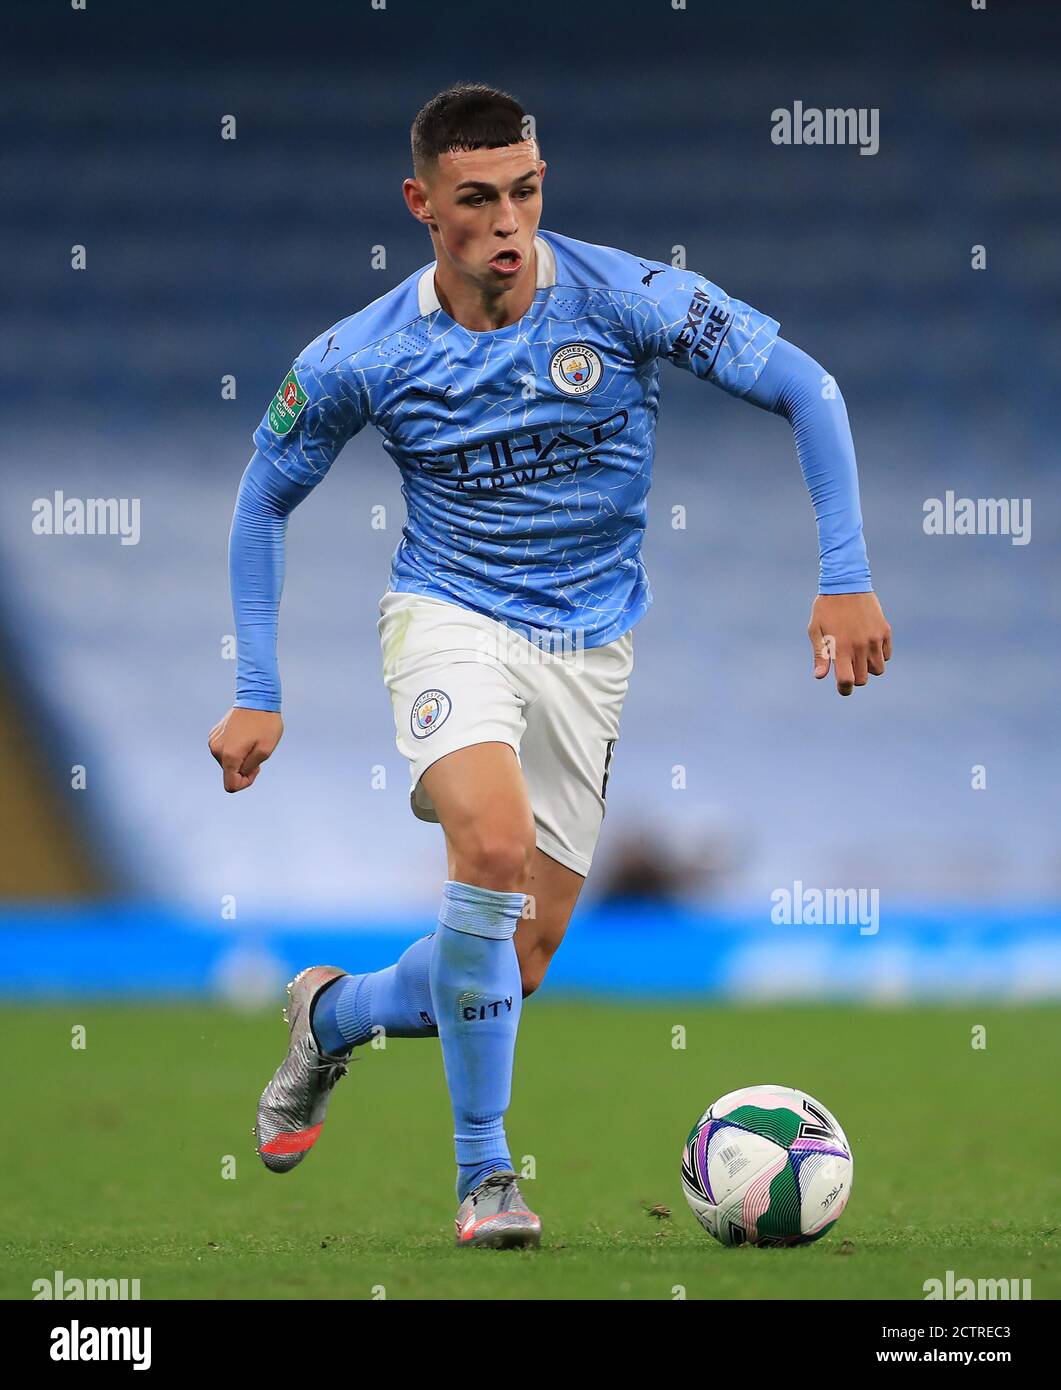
(515, 382)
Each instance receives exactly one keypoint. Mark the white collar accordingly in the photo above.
(545, 263)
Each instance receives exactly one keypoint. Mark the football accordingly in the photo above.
(767, 1165)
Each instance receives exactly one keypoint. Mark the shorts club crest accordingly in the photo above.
(430, 711)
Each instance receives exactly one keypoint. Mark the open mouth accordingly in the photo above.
(506, 262)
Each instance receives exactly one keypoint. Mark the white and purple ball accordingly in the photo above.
(767, 1165)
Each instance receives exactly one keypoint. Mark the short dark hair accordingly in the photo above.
(466, 116)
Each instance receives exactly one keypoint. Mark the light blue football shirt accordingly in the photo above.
(526, 452)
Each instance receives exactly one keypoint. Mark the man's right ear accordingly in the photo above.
(416, 201)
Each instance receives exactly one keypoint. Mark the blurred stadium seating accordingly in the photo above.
(208, 258)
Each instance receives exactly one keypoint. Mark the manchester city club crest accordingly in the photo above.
(429, 712)
(575, 369)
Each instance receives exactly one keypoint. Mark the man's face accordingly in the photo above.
(483, 207)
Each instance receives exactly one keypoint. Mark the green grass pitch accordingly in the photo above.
(114, 1159)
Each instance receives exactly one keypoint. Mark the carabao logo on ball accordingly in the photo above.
(430, 711)
(575, 369)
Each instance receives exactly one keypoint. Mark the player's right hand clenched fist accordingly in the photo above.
(242, 742)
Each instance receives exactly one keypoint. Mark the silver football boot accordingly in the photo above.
(293, 1105)
(495, 1217)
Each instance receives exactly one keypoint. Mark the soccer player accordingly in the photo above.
(515, 382)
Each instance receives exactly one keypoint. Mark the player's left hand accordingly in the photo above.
(850, 632)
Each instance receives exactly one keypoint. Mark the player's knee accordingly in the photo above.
(533, 963)
(531, 976)
(497, 858)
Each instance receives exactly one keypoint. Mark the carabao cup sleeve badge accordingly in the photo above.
(287, 405)
(430, 711)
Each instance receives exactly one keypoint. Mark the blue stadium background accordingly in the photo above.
(208, 258)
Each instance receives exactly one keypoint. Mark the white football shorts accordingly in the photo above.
(457, 678)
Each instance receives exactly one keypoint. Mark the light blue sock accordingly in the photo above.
(397, 999)
(476, 997)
